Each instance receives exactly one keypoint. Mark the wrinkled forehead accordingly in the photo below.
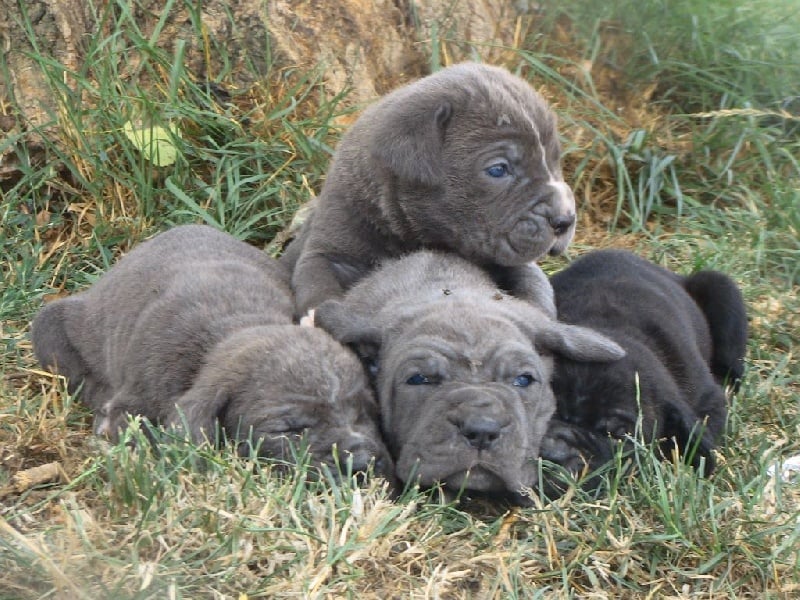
(463, 336)
(324, 373)
(512, 124)
(514, 103)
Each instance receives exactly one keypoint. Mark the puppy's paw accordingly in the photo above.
(308, 319)
(574, 448)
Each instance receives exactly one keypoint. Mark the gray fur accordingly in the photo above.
(683, 337)
(438, 316)
(411, 173)
(196, 319)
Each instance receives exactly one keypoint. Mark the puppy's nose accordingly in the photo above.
(561, 224)
(480, 432)
(358, 455)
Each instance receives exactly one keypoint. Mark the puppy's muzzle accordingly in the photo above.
(481, 421)
(562, 219)
(359, 455)
(481, 432)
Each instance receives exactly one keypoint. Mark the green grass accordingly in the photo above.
(686, 159)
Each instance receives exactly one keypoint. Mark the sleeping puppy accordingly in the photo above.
(465, 160)
(461, 369)
(684, 337)
(193, 329)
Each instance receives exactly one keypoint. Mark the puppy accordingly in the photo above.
(465, 160)
(684, 337)
(462, 370)
(193, 329)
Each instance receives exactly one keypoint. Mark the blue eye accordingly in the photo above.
(524, 380)
(417, 379)
(497, 170)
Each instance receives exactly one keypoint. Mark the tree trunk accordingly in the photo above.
(364, 47)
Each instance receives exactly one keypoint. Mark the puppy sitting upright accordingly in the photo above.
(683, 336)
(462, 370)
(465, 160)
(193, 327)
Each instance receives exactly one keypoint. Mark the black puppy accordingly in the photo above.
(684, 337)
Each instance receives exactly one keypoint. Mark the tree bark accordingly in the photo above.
(364, 47)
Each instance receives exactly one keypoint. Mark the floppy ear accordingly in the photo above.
(408, 140)
(577, 343)
(349, 328)
(51, 344)
(197, 412)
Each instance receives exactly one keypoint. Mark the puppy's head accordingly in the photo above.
(474, 153)
(637, 396)
(464, 387)
(282, 387)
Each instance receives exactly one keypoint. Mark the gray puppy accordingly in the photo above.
(462, 370)
(194, 328)
(684, 338)
(465, 160)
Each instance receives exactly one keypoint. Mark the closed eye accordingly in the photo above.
(291, 427)
(523, 380)
(498, 170)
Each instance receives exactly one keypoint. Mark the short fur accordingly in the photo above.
(414, 172)
(462, 370)
(683, 337)
(198, 320)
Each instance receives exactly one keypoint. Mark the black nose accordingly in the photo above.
(561, 224)
(480, 432)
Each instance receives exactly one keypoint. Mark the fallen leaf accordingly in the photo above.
(154, 142)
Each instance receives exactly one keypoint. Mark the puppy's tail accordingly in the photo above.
(722, 303)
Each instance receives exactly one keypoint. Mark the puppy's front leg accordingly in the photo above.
(313, 282)
(575, 448)
(529, 283)
(319, 277)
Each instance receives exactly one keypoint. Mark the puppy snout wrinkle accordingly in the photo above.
(561, 224)
(481, 432)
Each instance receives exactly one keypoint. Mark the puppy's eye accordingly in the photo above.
(372, 366)
(498, 170)
(292, 427)
(524, 380)
(418, 379)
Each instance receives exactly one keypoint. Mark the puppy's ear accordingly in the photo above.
(408, 142)
(197, 414)
(350, 328)
(51, 343)
(577, 343)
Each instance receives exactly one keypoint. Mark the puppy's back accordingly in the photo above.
(156, 298)
(618, 290)
(626, 277)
